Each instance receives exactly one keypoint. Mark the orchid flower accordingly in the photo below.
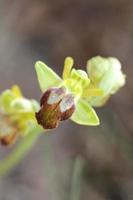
(65, 97)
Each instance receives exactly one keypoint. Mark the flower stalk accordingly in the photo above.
(19, 152)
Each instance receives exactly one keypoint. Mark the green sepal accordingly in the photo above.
(46, 76)
(85, 114)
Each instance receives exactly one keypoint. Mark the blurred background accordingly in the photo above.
(72, 162)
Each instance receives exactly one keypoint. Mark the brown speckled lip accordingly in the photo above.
(50, 115)
(59, 91)
(68, 101)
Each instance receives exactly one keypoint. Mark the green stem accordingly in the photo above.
(76, 179)
(8, 163)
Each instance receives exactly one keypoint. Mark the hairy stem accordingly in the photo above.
(8, 163)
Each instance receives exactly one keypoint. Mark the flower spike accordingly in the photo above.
(82, 90)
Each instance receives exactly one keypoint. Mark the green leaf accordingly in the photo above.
(46, 76)
(85, 114)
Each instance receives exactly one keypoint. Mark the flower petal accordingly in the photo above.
(85, 114)
(91, 92)
(67, 67)
(16, 91)
(47, 77)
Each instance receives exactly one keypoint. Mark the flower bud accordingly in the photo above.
(106, 74)
(97, 67)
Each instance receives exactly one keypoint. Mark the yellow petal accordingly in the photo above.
(68, 64)
(16, 90)
(93, 92)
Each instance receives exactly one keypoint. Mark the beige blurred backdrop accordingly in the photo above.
(47, 30)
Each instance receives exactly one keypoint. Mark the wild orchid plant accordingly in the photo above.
(72, 96)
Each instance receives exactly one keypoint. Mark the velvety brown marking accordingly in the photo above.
(70, 108)
(50, 114)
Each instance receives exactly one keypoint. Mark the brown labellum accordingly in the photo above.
(9, 139)
(56, 106)
(66, 107)
(8, 130)
(52, 96)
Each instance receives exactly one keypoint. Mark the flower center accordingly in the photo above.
(77, 82)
